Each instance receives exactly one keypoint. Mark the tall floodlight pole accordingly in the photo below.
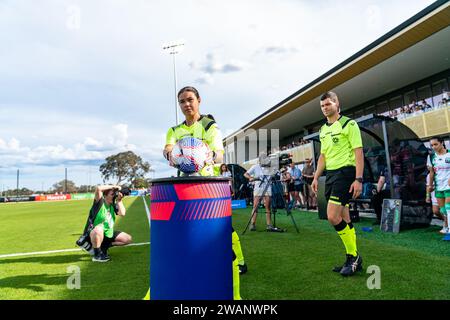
(175, 48)
(65, 182)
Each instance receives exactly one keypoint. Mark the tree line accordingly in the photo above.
(124, 168)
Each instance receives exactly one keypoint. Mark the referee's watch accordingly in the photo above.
(359, 179)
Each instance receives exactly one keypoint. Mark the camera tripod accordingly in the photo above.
(268, 181)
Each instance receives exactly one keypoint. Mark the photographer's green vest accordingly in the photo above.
(205, 129)
(104, 214)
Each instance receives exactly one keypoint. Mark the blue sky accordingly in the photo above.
(81, 80)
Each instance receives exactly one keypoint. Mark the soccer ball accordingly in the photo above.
(191, 155)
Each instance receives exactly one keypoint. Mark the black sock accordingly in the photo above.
(340, 226)
(97, 251)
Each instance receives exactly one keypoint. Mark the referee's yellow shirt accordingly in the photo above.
(338, 140)
(204, 129)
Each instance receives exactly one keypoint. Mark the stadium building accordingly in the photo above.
(405, 74)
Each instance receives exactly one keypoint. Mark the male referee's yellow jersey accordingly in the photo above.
(338, 140)
(204, 129)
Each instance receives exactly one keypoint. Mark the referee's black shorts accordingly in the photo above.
(337, 185)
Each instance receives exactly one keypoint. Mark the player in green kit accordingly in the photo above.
(204, 128)
(341, 154)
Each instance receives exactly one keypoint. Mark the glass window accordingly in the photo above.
(383, 108)
(410, 97)
(358, 113)
(440, 92)
(396, 102)
(370, 110)
(350, 114)
(424, 96)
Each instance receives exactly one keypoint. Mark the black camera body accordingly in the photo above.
(125, 191)
(84, 241)
(284, 160)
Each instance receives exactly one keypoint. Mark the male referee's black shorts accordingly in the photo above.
(338, 184)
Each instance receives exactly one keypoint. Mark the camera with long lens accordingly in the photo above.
(284, 159)
(84, 241)
(278, 161)
(125, 191)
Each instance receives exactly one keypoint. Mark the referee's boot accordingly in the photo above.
(352, 265)
(339, 268)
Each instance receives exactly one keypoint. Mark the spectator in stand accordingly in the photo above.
(308, 176)
(426, 106)
(297, 192)
(445, 95)
(418, 108)
(224, 172)
(286, 180)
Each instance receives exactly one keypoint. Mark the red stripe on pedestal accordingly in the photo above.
(191, 191)
(162, 210)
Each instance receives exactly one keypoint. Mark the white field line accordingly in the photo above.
(147, 210)
(59, 251)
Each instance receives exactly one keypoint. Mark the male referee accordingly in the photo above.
(341, 154)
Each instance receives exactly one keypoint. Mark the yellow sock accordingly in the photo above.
(236, 285)
(147, 296)
(353, 231)
(348, 237)
(237, 248)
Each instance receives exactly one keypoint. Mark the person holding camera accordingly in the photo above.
(107, 203)
(260, 174)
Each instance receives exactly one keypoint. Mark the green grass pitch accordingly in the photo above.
(413, 264)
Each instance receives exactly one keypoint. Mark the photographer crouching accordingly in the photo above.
(99, 234)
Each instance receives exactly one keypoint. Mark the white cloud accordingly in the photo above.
(214, 64)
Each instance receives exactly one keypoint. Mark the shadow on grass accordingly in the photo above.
(35, 282)
(59, 259)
